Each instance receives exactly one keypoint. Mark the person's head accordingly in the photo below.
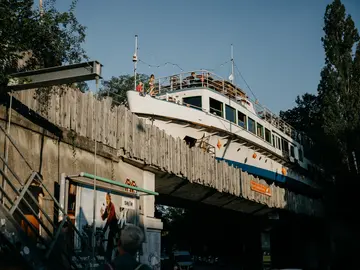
(152, 76)
(108, 198)
(35, 183)
(140, 83)
(193, 74)
(131, 239)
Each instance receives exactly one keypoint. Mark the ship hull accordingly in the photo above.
(231, 143)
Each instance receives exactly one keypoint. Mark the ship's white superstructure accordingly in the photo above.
(214, 114)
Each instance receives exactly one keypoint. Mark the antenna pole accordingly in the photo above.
(135, 60)
(232, 64)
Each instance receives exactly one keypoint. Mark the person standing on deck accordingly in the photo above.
(139, 88)
(151, 85)
(111, 223)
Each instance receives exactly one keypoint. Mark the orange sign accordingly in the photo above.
(130, 183)
(260, 188)
(218, 144)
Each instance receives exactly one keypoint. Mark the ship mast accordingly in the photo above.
(232, 65)
(231, 76)
(135, 60)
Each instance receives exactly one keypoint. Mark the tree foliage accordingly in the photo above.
(116, 87)
(37, 40)
(82, 86)
(303, 117)
(331, 118)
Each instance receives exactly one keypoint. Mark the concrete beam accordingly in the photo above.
(55, 76)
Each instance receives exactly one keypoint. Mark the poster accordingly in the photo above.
(125, 210)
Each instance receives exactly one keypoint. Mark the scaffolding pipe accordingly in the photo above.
(3, 184)
(95, 146)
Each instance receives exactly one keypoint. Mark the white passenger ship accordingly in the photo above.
(210, 112)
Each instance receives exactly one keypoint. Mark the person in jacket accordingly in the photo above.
(111, 223)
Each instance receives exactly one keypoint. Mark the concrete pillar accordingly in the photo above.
(152, 247)
(148, 202)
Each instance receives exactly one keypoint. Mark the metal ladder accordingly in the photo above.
(49, 250)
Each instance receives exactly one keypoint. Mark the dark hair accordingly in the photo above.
(131, 238)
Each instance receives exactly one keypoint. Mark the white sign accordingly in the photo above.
(128, 203)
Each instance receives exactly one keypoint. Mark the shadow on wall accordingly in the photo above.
(298, 242)
(140, 127)
(30, 114)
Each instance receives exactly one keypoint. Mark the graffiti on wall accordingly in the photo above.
(130, 183)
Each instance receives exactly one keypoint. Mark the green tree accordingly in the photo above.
(338, 89)
(331, 118)
(82, 86)
(303, 116)
(37, 40)
(334, 124)
(116, 87)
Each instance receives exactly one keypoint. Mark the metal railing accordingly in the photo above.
(207, 79)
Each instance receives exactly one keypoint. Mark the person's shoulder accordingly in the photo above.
(145, 267)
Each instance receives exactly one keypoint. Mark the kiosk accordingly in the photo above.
(83, 208)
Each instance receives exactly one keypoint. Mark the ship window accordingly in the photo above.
(216, 107)
(241, 119)
(292, 151)
(301, 155)
(278, 145)
(260, 130)
(285, 145)
(194, 102)
(251, 125)
(267, 135)
(273, 140)
(230, 113)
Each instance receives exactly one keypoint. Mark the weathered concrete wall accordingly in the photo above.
(51, 156)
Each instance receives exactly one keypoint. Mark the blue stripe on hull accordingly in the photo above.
(266, 174)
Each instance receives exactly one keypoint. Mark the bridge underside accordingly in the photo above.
(179, 192)
(174, 190)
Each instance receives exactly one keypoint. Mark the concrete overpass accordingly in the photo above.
(58, 137)
(180, 171)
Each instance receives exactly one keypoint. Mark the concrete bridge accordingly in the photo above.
(58, 136)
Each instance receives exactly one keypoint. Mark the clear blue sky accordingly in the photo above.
(277, 44)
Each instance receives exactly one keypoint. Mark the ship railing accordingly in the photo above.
(265, 114)
(207, 79)
(197, 79)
